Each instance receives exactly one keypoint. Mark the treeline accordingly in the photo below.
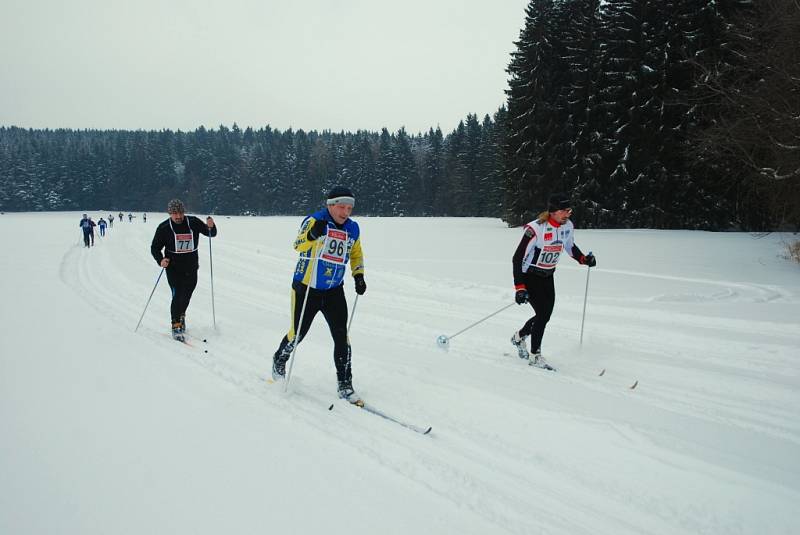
(260, 172)
(658, 113)
(649, 113)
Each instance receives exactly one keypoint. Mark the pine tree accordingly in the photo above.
(537, 73)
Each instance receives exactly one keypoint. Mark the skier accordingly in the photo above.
(101, 224)
(120, 217)
(110, 220)
(130, 218)
(86, 226)
(178, 236)
(92, 224)
(534, 263)
(144, 218)
(327, 241)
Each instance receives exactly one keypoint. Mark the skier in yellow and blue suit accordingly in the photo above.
(328, 240)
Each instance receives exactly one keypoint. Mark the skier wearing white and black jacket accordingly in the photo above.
(534, 263)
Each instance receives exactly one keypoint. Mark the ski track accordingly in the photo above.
(501, 468)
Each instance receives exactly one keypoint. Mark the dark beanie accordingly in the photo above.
(340, 195)
(558, 201)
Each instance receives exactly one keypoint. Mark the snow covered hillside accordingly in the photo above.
(107, 431)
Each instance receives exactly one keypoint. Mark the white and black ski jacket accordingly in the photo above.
(540, 249)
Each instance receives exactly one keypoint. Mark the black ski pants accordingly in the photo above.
(542, 297)
(86, 238)
(182, 281)
(333, 306)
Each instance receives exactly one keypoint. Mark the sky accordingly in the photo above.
(316, 64)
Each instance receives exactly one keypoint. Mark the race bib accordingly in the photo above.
(184, 243)
(548, 256)
(335, 247)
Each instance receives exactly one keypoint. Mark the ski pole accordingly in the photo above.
(148, 300)
(444, 341)
(585, 295)
(211, 264)
(302, 314)
(353, 313)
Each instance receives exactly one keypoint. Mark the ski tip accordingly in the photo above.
(602, 373)
(634, 384)
(428, 431)
(331, 407)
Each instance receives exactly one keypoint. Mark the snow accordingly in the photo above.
(109, 431)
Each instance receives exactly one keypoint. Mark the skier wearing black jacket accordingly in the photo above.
(179, 237)
(534, 263)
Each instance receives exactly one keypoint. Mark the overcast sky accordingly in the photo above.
(310, 64)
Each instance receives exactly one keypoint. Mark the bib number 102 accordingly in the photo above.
(550, 257)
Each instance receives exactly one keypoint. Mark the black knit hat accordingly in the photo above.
(340, 195)
(558, 201)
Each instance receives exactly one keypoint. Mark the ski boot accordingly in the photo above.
(278, 369)
(537, 360)
(520, 344)
(183, 322)
(279, 360)
(347, 392)
(177, 332)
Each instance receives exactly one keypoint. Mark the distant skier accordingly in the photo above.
(92, 224)
(86, 226)
(144, 218)
(130, 217)
(101, 224)
(330, 239)
(534, 263)
(110, 220)
(178, 237)
(120, 217)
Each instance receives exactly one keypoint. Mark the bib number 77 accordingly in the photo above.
(184, 243)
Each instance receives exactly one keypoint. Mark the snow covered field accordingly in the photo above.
(107, 431)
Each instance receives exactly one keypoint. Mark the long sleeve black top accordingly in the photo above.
(166, 236)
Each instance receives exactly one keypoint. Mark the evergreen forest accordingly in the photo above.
(668, 114)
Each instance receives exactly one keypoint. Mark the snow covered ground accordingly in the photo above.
(107, 431)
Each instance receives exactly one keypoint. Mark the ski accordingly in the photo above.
(634, 385)
(548, 367)
(184, 341)
(545, 366)
(372, 410)
(194, 340)
(527, 361)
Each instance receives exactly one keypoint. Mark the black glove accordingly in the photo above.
(521, 297)
(361, 286)
(589, 260)
(320, 228)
